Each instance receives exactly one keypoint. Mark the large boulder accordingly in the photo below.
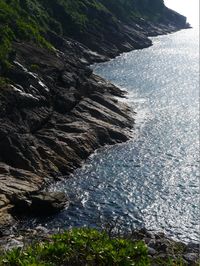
(40, 203)
(47, 203)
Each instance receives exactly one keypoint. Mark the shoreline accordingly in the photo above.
(159, 245)
(120, 111)
(46, 150)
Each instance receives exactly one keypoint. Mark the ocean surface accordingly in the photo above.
(151, 181)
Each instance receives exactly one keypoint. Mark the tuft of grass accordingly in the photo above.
(79, 247)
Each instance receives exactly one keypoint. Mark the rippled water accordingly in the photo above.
(152, 180)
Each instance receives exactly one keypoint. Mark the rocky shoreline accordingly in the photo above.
(54, 112)
(51, 121)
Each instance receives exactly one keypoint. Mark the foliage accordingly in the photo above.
(127, 10)
(16, 23)
(80, 247)
(31, 20)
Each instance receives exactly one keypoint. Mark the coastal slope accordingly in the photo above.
(54, 111)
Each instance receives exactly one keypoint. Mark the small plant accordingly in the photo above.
(34, 68)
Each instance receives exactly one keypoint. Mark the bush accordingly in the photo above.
(80, 247)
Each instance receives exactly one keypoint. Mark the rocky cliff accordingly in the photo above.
(54, 112)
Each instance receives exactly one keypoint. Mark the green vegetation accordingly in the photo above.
(127, 10)
(31, 20)
(79, 247)
(18, 24)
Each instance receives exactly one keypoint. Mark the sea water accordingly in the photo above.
(151, 181)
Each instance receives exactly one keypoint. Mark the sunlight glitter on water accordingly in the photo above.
(152, 180)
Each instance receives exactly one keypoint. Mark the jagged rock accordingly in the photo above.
(191, 257)
(6, 219)
(46, 203)
(151, 251)
(3, 201)
(162, 248)
(193, 247)
(39, 204)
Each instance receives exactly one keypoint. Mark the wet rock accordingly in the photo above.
(46, 203)
(193, 247)
(151, 251)
(162, 249)
(39, 204)
(191, 257)
(22, 204)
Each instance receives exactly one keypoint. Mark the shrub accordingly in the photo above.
(80, 247)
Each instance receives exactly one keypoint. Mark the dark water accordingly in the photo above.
(151, 181)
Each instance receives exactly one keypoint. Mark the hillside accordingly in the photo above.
(93, 23)
(54, 112)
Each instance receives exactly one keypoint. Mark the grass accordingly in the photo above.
(79, 247)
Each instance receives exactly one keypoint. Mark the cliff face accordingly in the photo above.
(53, 119)
(54, 112)
(108, 27)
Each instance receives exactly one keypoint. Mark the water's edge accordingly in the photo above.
(87, 178)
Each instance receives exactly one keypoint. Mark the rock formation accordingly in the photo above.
(54, 111)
